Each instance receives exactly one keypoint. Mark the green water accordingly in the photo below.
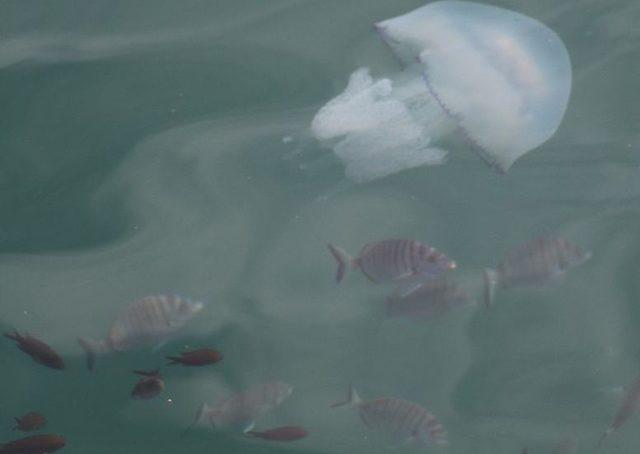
(163, 147)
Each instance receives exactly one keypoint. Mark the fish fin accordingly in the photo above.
(203, 410)
(352, 398)
(490, 282)
(249, 427)
(173, 360)
(91, 348)
(343, 259)
(15, 336)
(409, 284)
(158, 346)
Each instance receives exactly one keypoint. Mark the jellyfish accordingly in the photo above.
(493, 77)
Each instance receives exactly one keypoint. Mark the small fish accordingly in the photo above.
(241, 411)
(393, 260)
(202, 357)
(149, 386)
(148, 321)
(536, 262)
(430, 300)
(30, 421)
(405, 421)
(35, 444)
(38, 350)
(630, 404)
(285, 433)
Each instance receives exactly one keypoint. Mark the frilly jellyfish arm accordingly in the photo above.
(503, 77)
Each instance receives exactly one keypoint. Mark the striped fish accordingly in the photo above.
(535, 262)
(630, 404)
(148, 321)
(430, 300)
(393, 260)
(403, 421)
(241, 411)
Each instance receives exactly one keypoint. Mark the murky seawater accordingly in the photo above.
(153, 148)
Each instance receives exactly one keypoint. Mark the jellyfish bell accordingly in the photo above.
(496, 77)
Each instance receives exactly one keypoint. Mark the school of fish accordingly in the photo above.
(423, 289)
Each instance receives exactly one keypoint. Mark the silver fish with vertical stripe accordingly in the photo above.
(403, 421)
(535, 262)
(148, 321)
(241, 411)
(428, 301)
(393, 259)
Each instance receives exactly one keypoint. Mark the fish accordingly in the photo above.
(404, 421)
(35, 444)
(31, 421)
(394, 259)
(284, 433)
(533, 263)
(40, 352)
(430, 300)
(151, 320)
(202, 357)
(149, 386)
(630, 404)
(241, 411)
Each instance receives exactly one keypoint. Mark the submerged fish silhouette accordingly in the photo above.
(148, 321)
(30, 421)
(535, 262)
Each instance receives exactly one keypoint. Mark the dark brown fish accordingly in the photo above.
(202, 357)
(630, 404)
(30, 421)
(38, 350)
(285, 433)
(149, 386)
(536, 262)
(430, 300)
(35, 444)
(393, 259)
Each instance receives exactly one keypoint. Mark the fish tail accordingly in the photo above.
(14, 336)
(352, 398)
(490, 282)
(203, 410)
(91, 348)
(344, 261)
(173, 360)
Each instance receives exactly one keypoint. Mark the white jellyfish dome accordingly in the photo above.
(496, 77)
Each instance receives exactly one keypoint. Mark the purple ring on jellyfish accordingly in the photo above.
(499, 78)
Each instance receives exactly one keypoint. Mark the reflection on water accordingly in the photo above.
(142, 155)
